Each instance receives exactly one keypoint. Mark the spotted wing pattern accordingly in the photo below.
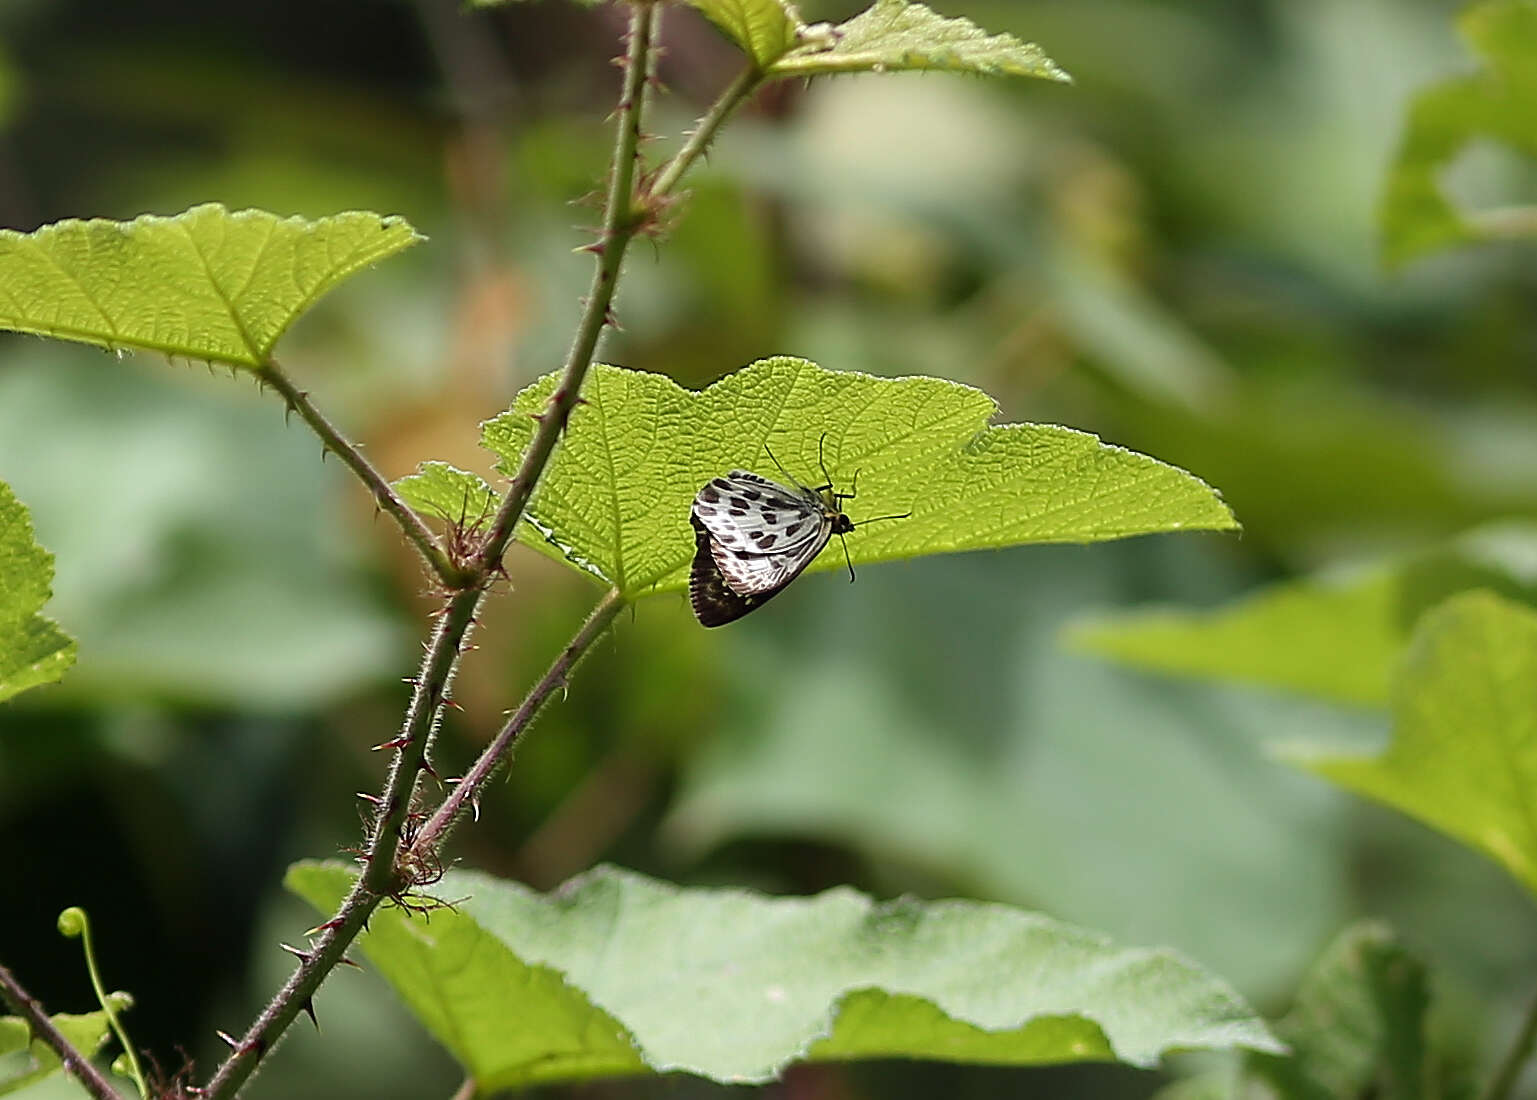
(743, 511)
(752, 537)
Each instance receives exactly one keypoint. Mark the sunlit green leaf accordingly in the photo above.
(1337, 637)
(765, 29)
(449, 493)
(33, 650)
(206, 284)
(1463, 758)
(893, 35)
(616, 974)
(86, 1033)
(1499, 103)
(616, 498)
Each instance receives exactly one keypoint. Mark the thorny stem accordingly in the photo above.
(383, 874)
(413, 525)
(622, 218)
(75, 1063)
(381, 877)
(467, 790)
(1515, 1060)
(736, 92)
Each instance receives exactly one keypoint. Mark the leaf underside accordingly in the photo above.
(33, 650)
(205, 284)
(615, 499)
(616, 974)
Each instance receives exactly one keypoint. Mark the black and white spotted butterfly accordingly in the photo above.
(753, 536)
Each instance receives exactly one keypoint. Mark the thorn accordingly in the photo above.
(451, 705)
(375, 799)
(228, 1038)
(430, 770)
(326, 927)
(345, 961)
(297, 953)
(309, 1008)
(610, 318)
(408, 680)
(396, 743)
(597, 248)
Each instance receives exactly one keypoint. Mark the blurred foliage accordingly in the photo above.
(1499, 104)
(1179, 252)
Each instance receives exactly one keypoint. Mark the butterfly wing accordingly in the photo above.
(719, 597)
(745, 512)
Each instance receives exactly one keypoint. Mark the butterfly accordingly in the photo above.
(753, 536)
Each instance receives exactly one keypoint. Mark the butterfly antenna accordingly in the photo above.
(877, 519)
(846, 559)
(788, 475)
(822, 462)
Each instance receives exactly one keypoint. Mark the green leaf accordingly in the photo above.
(33, 650)
(451, 494)
(765, 29)
(205, 284)
(87, 1033)
(615, 501)
(1337, 637)
(1357, 1029)
(1358, 1026)
(1500, 103)
(616, 974)
(1463, 758)
(894, 35)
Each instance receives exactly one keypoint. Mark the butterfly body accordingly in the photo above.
(752, 537)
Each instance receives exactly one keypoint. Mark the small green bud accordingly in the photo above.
(72, 922)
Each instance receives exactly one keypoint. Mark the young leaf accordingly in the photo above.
(205, 284)
(451, 494)
(1463, 758)
(86, 1032)
(617, 974)
(1335, 637)
(1500, 103)
(33, 650)
(765, 29)
(615, 501)
(893, 35)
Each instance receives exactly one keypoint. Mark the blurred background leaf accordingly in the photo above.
(33, 650)
(1498, 104)
(1179, 252)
